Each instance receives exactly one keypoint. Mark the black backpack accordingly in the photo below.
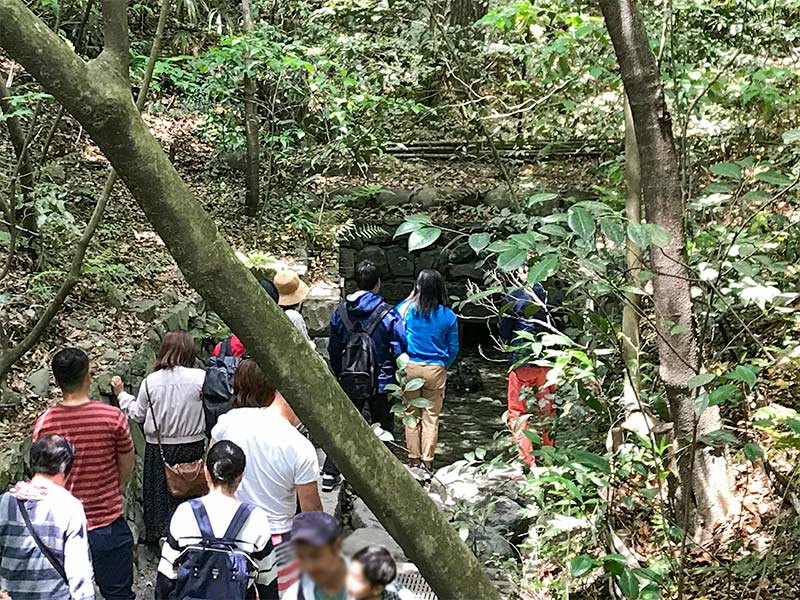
(214, 567)
(217, 387)
(359, 373)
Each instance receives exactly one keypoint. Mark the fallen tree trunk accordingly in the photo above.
(99, 97)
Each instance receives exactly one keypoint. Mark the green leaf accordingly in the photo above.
(415, 384)
(752, 452)
(727, 169)
(581, 222)
(613, 230)
(581, 565)
(422, 238)
(791, 136)
(398, 409)
(407, 227)
(402, 361)
(773, 178)
(722, 394)
(701, 403)
(541, 197)
(700, 380)
(410, 421)
(629, 585)
(512, 259)
(590, 459)
(615, 563)
(639, 234)
(743, 373)
(554, 230)
(421, 403)
(543, 269)
(479, 241)
(718, 438)
(421, 219)
(658, 235)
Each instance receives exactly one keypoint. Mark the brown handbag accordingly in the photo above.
(184, 480)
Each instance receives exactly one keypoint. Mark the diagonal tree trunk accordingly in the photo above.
(704, 493)
(100, 99)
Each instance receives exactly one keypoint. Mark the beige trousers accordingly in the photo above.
(422, 438)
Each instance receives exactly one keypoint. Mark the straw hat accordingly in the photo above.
(291, 290)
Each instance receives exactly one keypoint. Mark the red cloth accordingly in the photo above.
(529, 377)
(99, 433)
(237, 348)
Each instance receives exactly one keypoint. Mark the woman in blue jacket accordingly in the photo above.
(432, 339)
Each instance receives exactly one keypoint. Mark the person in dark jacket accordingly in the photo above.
(528, 312)
(388, 343)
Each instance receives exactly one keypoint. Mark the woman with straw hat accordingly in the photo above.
(291, 293)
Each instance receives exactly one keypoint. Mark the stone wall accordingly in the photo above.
(398, 267)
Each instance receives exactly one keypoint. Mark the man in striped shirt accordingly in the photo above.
(57, 518)
(104, 461)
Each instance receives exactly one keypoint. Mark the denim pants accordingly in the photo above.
(112, 558)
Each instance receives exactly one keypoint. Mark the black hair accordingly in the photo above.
(379, 566)
(70, 367)
(225, 462)
(430, 292)
(51, 455)
(367, 275)
(270, 288)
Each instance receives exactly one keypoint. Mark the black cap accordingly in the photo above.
(315, 528)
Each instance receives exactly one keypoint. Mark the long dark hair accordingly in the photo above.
(251, 388)
(430, 292)
(177, 350)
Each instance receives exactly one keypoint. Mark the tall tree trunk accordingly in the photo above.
(705, 485)
(100, 99)
(636, 419)
(252, 161)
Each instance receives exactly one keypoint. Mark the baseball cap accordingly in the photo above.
(315, 528)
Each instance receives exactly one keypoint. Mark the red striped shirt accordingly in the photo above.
(99, 433)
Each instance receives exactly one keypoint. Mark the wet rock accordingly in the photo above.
(39, 382)
(507, 516)
(55, 173)
(500, 197)
(394, 197)
(489, 542)
(361, 516)
(347, 262)
(401, 262)
(9, 399)
(142, 362)
(432, 259)
(319, 306)
(377, 255)
(177, 319)
(321, 346)
(466, 271)
(145, 310)
(369, 536)
(103, 383)
(396, 290)
(426, 197)
(110, 356)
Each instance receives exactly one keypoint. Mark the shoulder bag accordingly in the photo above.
(184, 480)
(47, 552)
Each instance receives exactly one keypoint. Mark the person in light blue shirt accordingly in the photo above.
(432, 341)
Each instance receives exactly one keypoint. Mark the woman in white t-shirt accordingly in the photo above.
(282, 465)
(225, 466)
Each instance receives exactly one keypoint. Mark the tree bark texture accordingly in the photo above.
(100, 99)
(704, 478)
(251, 128)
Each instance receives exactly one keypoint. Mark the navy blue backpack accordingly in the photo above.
(215, 568)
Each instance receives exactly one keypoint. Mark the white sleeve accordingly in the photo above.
(307, 464)
(134, 407)
(170, 549)
(220, 429)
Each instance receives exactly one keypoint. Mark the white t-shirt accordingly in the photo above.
(253, 538)
(279, 459)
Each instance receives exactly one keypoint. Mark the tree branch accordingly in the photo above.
(116, 45)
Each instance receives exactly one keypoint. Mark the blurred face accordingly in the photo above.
(321, 563)
(358, 586)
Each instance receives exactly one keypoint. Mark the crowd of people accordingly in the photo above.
(230, 478)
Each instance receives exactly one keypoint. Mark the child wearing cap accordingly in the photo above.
(371, 574)
(316, 538)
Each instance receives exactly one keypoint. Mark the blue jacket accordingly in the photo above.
(431, 340)
(389, 337)
(526, 314)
